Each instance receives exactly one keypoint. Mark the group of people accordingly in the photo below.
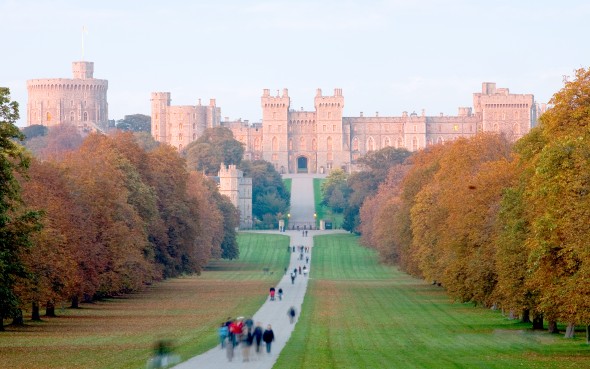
(242, 332)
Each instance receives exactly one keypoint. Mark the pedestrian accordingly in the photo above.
(272, 294)
(291, 314)
(288, 248)
(299, 269)
(293, 278)
(247, 340)
(268, 336)
(258, 335)
(293, 248)
(307, 260)
(223, 333)
(305, 271)
(280, 294)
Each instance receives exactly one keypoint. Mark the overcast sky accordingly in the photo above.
(387, 56)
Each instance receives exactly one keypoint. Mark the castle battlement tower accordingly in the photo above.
(81, 100)
(275, 118)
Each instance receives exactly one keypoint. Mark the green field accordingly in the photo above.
(322, 211)
(120, 332)
(359, 314)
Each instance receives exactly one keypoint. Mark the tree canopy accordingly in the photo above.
(135, 123)
(215, 146)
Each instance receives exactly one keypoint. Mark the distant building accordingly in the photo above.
(81, 100)
(322, 139)
(182, 124)
(238, 189)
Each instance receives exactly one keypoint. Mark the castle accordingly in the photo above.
(238, 189)
(81, 100)
(318, 141)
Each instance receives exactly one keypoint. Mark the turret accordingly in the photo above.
(160, 103)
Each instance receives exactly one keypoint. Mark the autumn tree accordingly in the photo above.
(16, 225)
(559, 207)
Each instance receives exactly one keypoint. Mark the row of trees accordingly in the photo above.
(99, 219)
(498, 224)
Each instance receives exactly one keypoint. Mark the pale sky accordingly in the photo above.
(387, 56)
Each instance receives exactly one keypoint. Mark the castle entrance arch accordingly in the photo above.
(302, 165)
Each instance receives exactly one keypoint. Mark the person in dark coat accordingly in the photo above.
(268, 336)
(258, 335)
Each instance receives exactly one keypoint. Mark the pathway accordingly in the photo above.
(273, 312)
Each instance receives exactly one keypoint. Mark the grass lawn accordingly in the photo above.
(322, 211)
(120, 333)
(359, 314)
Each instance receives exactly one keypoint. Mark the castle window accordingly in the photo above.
(85, 117)
(370, 144)
(329, 143)
(329, 115)
(275, 144)
(355, 144)
(455, 127)
(386, 142)
(180, 137)
(180, 126)
(156, 116)
(257, 144)
(48, 116)
(414, 144)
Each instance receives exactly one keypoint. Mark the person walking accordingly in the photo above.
(272, 294)
(293, 275)
(268, 337)
(280, 294)
(223, 333)
(291, 313)
(258, 335)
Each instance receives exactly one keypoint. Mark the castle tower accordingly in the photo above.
(160, 103)
(81, 100)
(275, 118)
(238, 189)
(500, 111)
(332, 148)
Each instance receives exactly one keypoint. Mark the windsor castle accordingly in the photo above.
(294, 141)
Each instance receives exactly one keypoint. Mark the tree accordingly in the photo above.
(135, 123)
(217, 145)
(335, 190)
(269, 195)
(559, 207)
(35, 130)
(58, 141)
(16, 225)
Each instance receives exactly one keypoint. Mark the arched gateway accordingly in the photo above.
(302, 166)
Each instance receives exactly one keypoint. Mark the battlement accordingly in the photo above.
(83, 69)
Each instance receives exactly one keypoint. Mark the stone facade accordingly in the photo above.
(81, 100)
(238, 188)
(181, 125)
(318, 141)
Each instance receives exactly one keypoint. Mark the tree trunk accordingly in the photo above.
(553, 327)
(18, 318)
(570, 330)
(35, 315)
(526, 316)
(538, 321)
(50, 309)
(588, 334)
(75, 302)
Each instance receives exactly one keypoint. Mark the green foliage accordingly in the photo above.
(215, 146)
(270, 198)
(335, 190)
(16, 225)
(135, 123)
(34, 130)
